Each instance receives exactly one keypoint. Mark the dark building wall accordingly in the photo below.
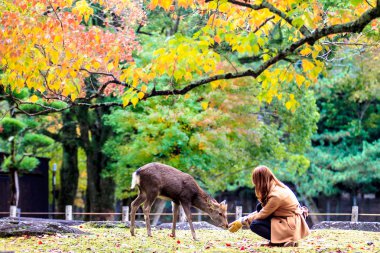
(34, 190)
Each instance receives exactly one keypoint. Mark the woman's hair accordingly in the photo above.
(263, 178)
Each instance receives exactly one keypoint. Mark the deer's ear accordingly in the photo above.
(223, 204)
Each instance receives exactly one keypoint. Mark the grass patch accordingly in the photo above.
(120, 240)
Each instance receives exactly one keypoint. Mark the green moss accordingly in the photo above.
(120, 240)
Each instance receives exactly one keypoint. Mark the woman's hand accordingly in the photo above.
(235, 226)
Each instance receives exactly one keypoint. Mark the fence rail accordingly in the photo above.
(15, 212)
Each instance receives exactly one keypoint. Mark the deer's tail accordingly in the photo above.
(135, 180)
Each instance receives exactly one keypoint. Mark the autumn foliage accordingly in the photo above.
(48, 47)
(52, 46)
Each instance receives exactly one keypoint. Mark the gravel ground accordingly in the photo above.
(345, 225)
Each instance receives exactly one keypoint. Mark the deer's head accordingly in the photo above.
(219, 213)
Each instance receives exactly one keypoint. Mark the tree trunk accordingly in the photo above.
(312, 209)
(15, 187)
(100, 189)
(69, 170)
(13, 173)
(328, 208)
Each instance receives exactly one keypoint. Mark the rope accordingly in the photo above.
(194, 214)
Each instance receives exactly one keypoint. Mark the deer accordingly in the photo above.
(157, 180)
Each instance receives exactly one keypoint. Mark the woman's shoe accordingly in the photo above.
(265, 244)
(290, 244)
(270, 244)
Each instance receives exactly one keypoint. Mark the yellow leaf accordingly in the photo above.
(204, 105)
(261, 41)
(166, 4)
(96, 65)
(255, 49)
(144, 88)
(269, 98)
(215, 85)
(135, 81)
(134, 101)
(266, 57)
(73, 73)
(288, 105)
(300, 79)
(318, 48)
(187, 95)
(315, 54)
(73, 96)
(82, 8)
(305, 51)
(54, 56)
(125, 101)
(33, 99)
(140, 95)
(110, 66)
(307, 65)
(188, 76)
(57, 39)
(41, 89)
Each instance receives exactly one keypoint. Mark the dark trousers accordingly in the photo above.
(261, 227)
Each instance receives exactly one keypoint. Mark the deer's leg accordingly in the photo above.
(147, 206)
(134, 206)
(175, 216)
(186, 209)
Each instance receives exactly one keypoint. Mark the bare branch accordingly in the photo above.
(262, 24)
(337, 43)
(98, 73)
(369, 4)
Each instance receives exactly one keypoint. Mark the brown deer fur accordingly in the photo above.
(156, 180)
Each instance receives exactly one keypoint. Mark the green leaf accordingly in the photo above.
(298, 22)
(355, 2)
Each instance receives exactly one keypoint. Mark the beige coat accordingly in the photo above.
(287, 224)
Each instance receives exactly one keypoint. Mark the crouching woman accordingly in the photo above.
(279, 217)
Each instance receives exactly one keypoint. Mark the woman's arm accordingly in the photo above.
(272, 205)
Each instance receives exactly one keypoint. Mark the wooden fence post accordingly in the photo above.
(69, 212)
(355, 214)
(13, 211)
(125, 213)
(239, 212)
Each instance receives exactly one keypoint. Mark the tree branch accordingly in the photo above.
(138, 30)
(262, 24)
(265, 5)
(350, 27)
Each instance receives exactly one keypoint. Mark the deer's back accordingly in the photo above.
(167, 181)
